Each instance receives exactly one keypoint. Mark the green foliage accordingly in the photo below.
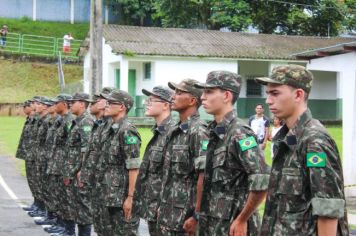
(25, 25)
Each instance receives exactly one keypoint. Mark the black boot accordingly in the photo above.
(84, 230)
(70, 228)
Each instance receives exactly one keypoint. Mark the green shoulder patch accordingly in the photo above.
(87, 128)
(316, 159)
(247, 143)
(131, 140)
(204, 145)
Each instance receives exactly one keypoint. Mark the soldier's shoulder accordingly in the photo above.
(314, 129)
(240, 130)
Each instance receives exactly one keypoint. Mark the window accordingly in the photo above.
(252, 87)
(147, 70)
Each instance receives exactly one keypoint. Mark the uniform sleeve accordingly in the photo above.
(325, 174)
(131, 148)
(252, 160)
(198, 146)
(85, 133)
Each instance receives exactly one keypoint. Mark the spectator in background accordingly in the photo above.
(3, 33)
(260, 125)
(66, 43)
(277, 125)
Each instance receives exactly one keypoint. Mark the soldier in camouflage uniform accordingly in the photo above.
(21, 152)
(91, 157)
(120, 163)
(184, 164)
(55, 162)
(77, 145)
(37, 146)
(306, 188)
(236, 175)
(148, 185)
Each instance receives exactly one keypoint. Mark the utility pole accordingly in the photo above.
(96, 49)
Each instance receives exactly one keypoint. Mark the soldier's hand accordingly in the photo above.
(128, 207)
(190, 226)
(80, 184)
(238, 228)
(66, 181)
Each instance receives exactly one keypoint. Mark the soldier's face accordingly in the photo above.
(154, 106)
(27, 110)
(213, 100)
(113, 109)
(282, 100)
(181, 100)
(75, 107)
(52, 109)
(39, 107)
(101, 103)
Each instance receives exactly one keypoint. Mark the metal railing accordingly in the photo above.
(38, 45)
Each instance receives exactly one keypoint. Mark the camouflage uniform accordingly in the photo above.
(234, 166)
(306, 177)
(77, 145)
(21, 151)
(120, 154)
(55, 163)
(149, 181)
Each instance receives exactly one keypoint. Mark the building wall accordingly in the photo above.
(52, 10)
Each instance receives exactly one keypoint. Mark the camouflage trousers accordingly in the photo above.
(98, 209)
(165, 231)
(82, 204)
(30, 175)
(118, 225)
(67, 206)
(39, 180)
(53, 192)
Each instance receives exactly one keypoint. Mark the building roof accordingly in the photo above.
(328, 51)
(134, 40)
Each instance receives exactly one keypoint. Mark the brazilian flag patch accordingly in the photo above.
(316, 159)
(69, 126)
(87, 128)
(131, 140)
(247, 143)
(204, 145)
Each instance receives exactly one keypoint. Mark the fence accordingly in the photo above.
(38, 45)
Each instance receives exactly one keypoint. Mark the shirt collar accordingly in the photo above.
(220, 128)
(184, 126)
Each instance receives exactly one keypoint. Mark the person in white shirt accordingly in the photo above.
(66, 43)
(277, 125)
(260, 125)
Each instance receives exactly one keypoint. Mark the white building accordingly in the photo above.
(142, 57)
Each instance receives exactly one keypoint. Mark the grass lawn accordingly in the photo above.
(11, 127)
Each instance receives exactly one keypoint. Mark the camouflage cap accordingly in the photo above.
(187, 85)
(35, 99)
(80, 97)
(96, 96)
(46, 101)
(62, 98)
(120, 97)
(222, 79)
(292, 75)
(163, 93)
(27, 103)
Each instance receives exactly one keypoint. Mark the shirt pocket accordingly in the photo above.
(114, 154)
(220, 207)
(156, 159)
(220, 172)
(180, 160)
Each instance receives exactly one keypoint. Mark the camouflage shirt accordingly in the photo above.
(234, 166)
(149, 181)
(77, 144)
(306, 181)
(184, 159)
(91, 156)
(49, 142)
(21, 151)
(30, 145)
(62, 126)
(120, 153)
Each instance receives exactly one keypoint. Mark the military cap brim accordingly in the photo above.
(266, 80)
(205, 85)
(110, 99)
(149, 93)
(175, 86)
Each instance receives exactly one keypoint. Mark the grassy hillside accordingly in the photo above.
(22, 80)
(52, 29)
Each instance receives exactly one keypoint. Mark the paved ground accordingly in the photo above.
(14, 193)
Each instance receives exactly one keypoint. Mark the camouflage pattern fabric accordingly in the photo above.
(120, 97)
(77, 145)
(306, 181)
(234, 166)
(292, 75)
(120, 153)
(149, 180)
(184, 159)
(21, 151)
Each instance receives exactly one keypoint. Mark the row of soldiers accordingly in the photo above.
(195, 177)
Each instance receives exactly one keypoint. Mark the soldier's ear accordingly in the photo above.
(299, 94)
